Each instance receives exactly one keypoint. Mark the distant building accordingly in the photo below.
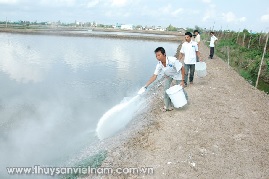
(139, 27)
(117, 26)
(94, 24)
(159, 28)
(77, 23)
(181, 30)
(149, 28)
(127, 27)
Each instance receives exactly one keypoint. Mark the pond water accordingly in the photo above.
(54, 90)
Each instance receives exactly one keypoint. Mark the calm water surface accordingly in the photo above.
(120, 33)
(55, 89)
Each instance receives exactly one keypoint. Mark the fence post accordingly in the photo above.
(249, 41)
(228, 54)
(244, 40)
(237, 36)
(264, 51)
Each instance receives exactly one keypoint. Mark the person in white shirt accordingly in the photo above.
(213, 40)
(189, 51)
(197, 39)
(173, 70)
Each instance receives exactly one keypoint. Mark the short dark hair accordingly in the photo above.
(211, 32)
(160, 49)
(189, 34)
(195, 31)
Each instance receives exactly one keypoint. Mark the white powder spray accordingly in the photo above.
(117, 117)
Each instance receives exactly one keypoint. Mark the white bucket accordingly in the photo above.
(177, 96)
(200, 69)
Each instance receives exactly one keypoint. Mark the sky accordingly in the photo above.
(210, 14)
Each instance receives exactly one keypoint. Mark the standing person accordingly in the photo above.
(197, 39)
(189, 51)
(213, 40)
(173, 70)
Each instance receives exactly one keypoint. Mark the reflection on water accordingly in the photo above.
(55, 89)
(120, 33)
(20, 70)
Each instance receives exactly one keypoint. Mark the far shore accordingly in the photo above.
(175, 36)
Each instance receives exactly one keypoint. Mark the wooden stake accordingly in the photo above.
(249, 41)
(264, 51)
(237, 36)
(228, 54)
(244, 39)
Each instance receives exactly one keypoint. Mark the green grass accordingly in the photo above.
(245, 74)
(263, 86)
(94, 161)
(244, 60)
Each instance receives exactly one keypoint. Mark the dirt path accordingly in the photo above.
(222, 133)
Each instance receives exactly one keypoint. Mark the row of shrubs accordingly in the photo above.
(245, 53)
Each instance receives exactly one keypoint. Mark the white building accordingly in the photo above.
(127, 27)
(159, 28)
